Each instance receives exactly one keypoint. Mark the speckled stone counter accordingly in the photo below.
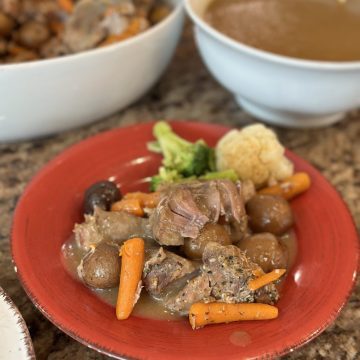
(185, 92)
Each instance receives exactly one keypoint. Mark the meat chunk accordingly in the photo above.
(114, 227)
(232, 206)
(207, 198)
(166, 225)
(185, 209)
(181, 202)
(84, 30)
(224, 277)
(197, 289)
(246, 189)
(229, 271)
(162, 268)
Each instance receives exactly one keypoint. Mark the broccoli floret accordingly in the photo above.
(164, 176)
(229, 174)
(188, 159)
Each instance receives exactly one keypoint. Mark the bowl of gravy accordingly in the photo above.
(294, 63)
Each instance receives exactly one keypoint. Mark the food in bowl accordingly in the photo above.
(213, 250)
(306, 29)
(40, 29)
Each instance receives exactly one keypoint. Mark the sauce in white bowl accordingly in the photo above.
(281, 90)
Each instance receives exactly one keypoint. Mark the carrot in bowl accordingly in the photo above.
(66, 5)
(202, 314)
(132, 253)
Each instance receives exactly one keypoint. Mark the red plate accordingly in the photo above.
(315, 291)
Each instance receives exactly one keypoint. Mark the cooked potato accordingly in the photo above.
(100, 268)
(194, 248)
(265, 250)
(269, 213)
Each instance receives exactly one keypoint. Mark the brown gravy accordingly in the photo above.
(325, 30)
(146, 307)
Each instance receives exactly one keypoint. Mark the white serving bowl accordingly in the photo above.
(277, 89)
(44, 97)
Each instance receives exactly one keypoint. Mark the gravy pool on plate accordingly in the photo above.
(325, 30)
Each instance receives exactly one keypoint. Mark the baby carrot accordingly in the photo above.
(290, 187)
(148, 200)
(66, 5)
(132, 263)
(131, 206)
(202, 314)
(266, 279)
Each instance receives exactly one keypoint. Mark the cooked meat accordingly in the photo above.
(100, 267)
(194, 248)
(197, 289)
(207, 198)
(166, 225)
(83, 29)
(246, 189)
(232, 206)
(162, 268)
(229, 271)
(265, 250)
(110, 226)
(181, 202)
(186, 208)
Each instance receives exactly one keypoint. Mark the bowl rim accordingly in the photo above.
(68, 151)
(175, 12)
(265, 55)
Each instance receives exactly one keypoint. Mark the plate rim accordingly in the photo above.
(20, 323)
(89, 141)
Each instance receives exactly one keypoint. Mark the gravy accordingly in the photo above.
(146, 307)
(325, 30)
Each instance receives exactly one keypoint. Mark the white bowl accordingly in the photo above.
(277, 89)
(44, 97)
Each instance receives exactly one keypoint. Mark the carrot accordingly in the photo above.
(148, 200)
(66, 5)
(266, 279)
(202, 314)
(290, 187)
(133, 29)
(132, 263)
(132, 206)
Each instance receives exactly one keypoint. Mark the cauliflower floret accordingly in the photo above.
(255, 153)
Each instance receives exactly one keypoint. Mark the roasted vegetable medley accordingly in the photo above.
(204, 245)
(40, 29)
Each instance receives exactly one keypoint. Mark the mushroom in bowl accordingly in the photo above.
(38, 98)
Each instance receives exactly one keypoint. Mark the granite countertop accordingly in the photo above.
(186, 91)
